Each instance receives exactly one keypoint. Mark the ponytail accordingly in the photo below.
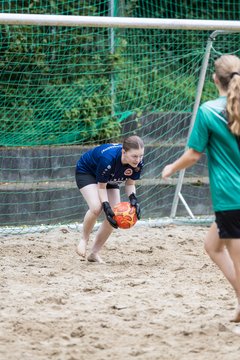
(227, 69)
(233, 104)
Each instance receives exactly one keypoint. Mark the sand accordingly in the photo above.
(157, 297)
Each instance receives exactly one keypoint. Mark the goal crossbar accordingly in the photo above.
(117, 22)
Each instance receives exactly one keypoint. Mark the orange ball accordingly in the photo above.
(125, 215)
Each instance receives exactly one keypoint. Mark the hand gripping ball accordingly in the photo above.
(125, 215)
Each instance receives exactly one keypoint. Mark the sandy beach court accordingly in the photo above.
(157, 297)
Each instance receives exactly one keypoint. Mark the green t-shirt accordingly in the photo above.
(211, 132)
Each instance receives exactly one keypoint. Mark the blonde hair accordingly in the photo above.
(133, 142)
(227, 69)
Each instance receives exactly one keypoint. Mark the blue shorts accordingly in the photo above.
(228, 223)
(83, 179)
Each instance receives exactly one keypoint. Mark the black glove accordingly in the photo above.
(134, 202)
(109, 214)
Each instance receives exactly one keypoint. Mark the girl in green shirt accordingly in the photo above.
(217, 130)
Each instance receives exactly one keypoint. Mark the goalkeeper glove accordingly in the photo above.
(109, 214)
(134, 202)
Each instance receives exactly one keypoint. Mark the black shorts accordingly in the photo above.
(83, 179)
(228, 223)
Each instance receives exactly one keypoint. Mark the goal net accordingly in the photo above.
(65, 89)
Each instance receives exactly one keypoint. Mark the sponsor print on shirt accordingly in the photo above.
(128, 172)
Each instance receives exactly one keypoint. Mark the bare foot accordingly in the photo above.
(95, 258)
(236, 318)
(82, 248)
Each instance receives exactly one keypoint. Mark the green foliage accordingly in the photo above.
(88, 115)
(62, 85)
(76, 113)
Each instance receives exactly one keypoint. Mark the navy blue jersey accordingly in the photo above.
(104, 162)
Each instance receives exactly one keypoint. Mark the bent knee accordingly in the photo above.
(96, 211)
(213, 247)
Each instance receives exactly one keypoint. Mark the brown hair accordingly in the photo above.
(133, 142)
(227, 69)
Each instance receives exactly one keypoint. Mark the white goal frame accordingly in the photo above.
(111, 22)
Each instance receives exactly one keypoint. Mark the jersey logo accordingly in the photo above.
(128, 172)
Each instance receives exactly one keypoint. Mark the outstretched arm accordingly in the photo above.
(189, 158)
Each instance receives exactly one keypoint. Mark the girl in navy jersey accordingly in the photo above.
(217, 130)
(98, 175)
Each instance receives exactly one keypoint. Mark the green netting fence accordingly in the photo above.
(65, 89)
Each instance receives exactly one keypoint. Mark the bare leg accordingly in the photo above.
(233, 246)
(88, 224)
(102, 235)
(105, 229)
(216, 249)
(90, 194)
